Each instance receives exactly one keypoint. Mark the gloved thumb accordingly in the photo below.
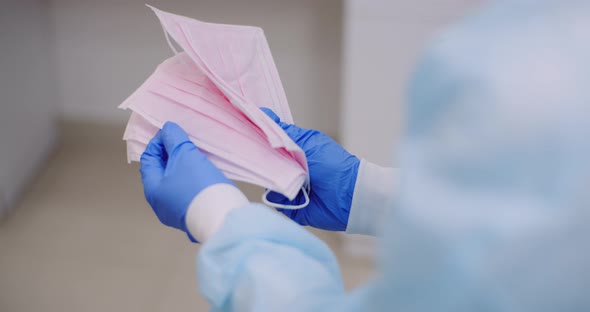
(152, 165)
(293, 131)
(271, 114)
(172, 136)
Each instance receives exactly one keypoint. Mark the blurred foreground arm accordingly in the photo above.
(261, 261)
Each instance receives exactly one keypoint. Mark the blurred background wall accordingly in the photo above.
(383, 40)
(28, 90)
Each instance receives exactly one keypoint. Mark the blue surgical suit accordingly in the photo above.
(492, 206)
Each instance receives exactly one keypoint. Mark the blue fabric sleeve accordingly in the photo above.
(261, 261)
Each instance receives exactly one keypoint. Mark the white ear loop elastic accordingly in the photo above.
(305, 191)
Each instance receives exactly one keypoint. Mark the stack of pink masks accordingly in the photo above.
(214, 90)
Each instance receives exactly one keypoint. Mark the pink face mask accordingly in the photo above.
(214, 90)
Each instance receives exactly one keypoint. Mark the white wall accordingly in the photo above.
(107, 48)
(382, 42)
(27, 97)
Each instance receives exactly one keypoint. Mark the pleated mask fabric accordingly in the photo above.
(214, 90)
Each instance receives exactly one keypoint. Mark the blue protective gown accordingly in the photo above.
(492, 208)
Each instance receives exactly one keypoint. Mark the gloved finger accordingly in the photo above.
(292, 131)
(173, 136)
(277, 119)
(271, 114)
(152, 163)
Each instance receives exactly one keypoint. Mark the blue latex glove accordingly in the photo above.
(333, 174)
(173, 172)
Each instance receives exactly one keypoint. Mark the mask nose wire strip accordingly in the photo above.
(282, 206)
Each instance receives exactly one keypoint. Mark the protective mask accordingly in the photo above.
(214, 90)
(140, 131)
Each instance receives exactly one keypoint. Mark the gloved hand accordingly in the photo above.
(333, 174)
(173, 172)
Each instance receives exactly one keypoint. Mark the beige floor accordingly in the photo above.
(83, 239)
